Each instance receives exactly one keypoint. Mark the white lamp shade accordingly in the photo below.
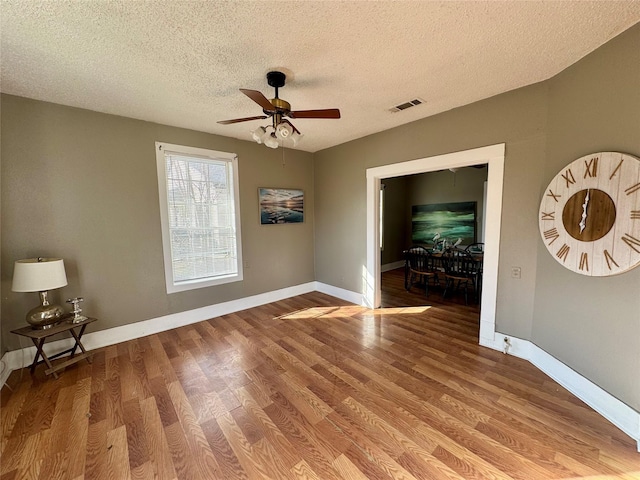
(38, 275)
(258, 134)
(284, 130)
(271, 141)
(296, 137)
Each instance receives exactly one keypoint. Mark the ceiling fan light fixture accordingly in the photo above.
(271, 140)
(277, 109)
(284, 130)
(296, 137)
(259, 134)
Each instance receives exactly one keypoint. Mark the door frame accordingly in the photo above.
(493, 156)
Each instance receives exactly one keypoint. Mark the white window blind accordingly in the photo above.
(199, 215)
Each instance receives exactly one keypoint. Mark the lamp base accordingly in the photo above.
(45, 315)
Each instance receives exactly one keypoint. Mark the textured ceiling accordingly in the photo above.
(181, 62)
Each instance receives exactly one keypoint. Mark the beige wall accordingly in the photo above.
(83, 186)
(592, 324)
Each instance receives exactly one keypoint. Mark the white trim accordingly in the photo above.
(493, 155)
(391, 266)
(341, 293)
(620, 414)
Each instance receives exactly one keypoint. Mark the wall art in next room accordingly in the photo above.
(451, 220)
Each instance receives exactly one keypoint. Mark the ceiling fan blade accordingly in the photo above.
(327, 113)
(238, 120)
(259, 98)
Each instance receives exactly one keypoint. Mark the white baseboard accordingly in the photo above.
(341, 293)
(391, 266)
(620, 414)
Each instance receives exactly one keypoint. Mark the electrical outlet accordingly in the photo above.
(516, 272)
(246, 264)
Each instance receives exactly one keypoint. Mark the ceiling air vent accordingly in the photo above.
(405, 105)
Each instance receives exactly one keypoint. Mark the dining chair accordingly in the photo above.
(420, 267)
(477, 247)
(460, 272)
(477, 252)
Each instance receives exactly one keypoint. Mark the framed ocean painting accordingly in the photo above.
(281, 205)
(450, 220)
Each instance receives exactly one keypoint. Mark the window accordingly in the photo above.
(200, 216)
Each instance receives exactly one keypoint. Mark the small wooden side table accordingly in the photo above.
(39, 337)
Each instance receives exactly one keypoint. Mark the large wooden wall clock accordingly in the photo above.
(590, 214)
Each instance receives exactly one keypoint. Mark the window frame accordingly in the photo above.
(231, 160)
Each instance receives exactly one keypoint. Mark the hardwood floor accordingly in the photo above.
(309, 387)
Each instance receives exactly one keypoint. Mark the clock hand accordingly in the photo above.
(583, 221)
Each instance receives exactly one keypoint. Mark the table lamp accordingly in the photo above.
(40, 275)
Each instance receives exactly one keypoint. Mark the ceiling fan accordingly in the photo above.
(278, 109)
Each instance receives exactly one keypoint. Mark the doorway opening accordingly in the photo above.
(493, 156)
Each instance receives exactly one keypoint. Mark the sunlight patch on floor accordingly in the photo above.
(312, 312)
(401, 310)
(349, 311)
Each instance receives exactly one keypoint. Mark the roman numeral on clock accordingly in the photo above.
(563, 253)
(568, 177)
(632, 242)
(553, 195)
(584, 261)
(552, 216)
(609, 259)
(615, 170)
(592, 167)
(635, 215)
(632, 189)
(551, 234)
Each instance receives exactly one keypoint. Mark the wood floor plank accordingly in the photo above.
(270, 431)
(158, 449)
(30, 464)
(113, 393)
(96, 450)
(180, 456)
(241, 448)
(78, 428)
(198, 448)
(303, 471)
(136, 438)
(118, 454)
(310, 387)
(143, 471)
(315, 452)
(225, 457)
(347, 469)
